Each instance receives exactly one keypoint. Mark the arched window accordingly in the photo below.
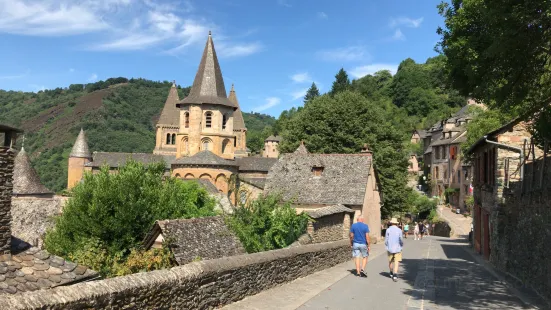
(167, 138)
(186, 120)
(206, 145)
(224, 121)
(173, 138)
(184, 146)
(208, 119)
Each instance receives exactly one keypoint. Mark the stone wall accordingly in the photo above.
(519, 230)
(200, 285)
(6, 188)
(330, 228)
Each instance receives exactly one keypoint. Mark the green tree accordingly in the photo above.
(117, 210)
(312, 93)
(266, 224)
(484, 121)
(343, 124)
(341, 82)
(498, 52)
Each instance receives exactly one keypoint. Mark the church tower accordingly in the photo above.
(239, 128)
(206, 114)
(79, 157)
(168, 125)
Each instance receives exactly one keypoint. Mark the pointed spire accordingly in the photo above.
(238, 122)
(25, 178)
(170, 114)
(301, 149)
(208, 86)
(80, 148)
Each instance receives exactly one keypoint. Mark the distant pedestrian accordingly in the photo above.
(421, 230)
(394, 244)
(427, 229)
(360, 244)
(406, 230)
(416, 231)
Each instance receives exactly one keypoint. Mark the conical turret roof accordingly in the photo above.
(25, 178)
(208, 86)
(238, 122)
(170, 114)
(80, 148)
(301, 149)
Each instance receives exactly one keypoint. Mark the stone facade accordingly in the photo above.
(6, 188)
(271, 147)
(330, 228)
(200, 285)
(32, 217)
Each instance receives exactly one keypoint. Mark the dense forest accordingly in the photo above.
(118, 114)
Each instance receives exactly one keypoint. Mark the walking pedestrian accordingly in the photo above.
(421, 230)
(416, 231)
(394, 244)
(360, 244)
(427, 229)
(406, 230)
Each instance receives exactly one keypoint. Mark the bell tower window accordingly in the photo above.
(168, 138)
(224, 121)
(208, 119)
(186, 120)
(173, 139)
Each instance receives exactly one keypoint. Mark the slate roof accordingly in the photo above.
(205, 238)
(256, 182)
(206, 184)
(329, 210)
(274, 138)
(205, 158)
(262, 164)
(238, 121)
(25, 178)
(343, 180)
(208, 86)
(115, 160)
(31, 218)
(30, 269)
(301, 149)
(80, 148)
(171, 114)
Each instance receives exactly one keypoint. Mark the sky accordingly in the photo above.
(272, 50)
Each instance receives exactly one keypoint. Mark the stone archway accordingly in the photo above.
(189, 176)
(206, 176)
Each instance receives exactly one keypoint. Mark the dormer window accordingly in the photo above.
(317, 171)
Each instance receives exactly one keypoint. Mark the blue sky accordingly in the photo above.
(271, 49)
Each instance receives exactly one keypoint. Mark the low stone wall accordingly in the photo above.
(329, 228)
(200, 285)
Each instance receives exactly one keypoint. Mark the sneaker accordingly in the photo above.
(395, 278)
(363, 274)
(391, 275)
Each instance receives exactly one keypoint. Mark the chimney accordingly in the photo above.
(6, 187)
(365, 151)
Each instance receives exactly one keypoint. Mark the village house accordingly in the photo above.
(24, 267)
(314, 181)
(271, 147)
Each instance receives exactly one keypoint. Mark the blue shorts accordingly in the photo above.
(359, 249)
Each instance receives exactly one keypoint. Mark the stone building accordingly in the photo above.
(314, 181)
(417, 136)
(450, 175)
(23, 267)
(413, 167)
(201, 137)
(195, 239)
(271, 147)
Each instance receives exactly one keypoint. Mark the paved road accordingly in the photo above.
(436, 273)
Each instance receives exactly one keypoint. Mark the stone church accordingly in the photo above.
(202, 136)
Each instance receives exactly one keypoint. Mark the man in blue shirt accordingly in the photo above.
(394, 244)
(359, 242)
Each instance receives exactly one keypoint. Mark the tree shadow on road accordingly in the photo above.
(457, 282)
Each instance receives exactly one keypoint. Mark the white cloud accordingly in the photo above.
(301, 77)
(406, 21)
(361, 71)
(270, 102)
(322, 15)
(125, 25)
(71, 70)
(93, 77)
(351, 53)
(299, 94)
(398, 35)
(234, 50)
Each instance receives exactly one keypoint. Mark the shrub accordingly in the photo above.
(266, 223)
(109, 214)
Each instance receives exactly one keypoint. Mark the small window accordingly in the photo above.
(168, 138)
(208, 119)
(235, 142)
(224, 121)
(173, 139)
(317, 171)
(186, 120)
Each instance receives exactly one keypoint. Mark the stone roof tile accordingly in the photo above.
(329, 210)
(115, 160)
(80, 148)
(274, 138)
(256, 182)
(170, 116)
(262, 164)
(238, 121)
(205, 158)
(342, 181)
(25, 178)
